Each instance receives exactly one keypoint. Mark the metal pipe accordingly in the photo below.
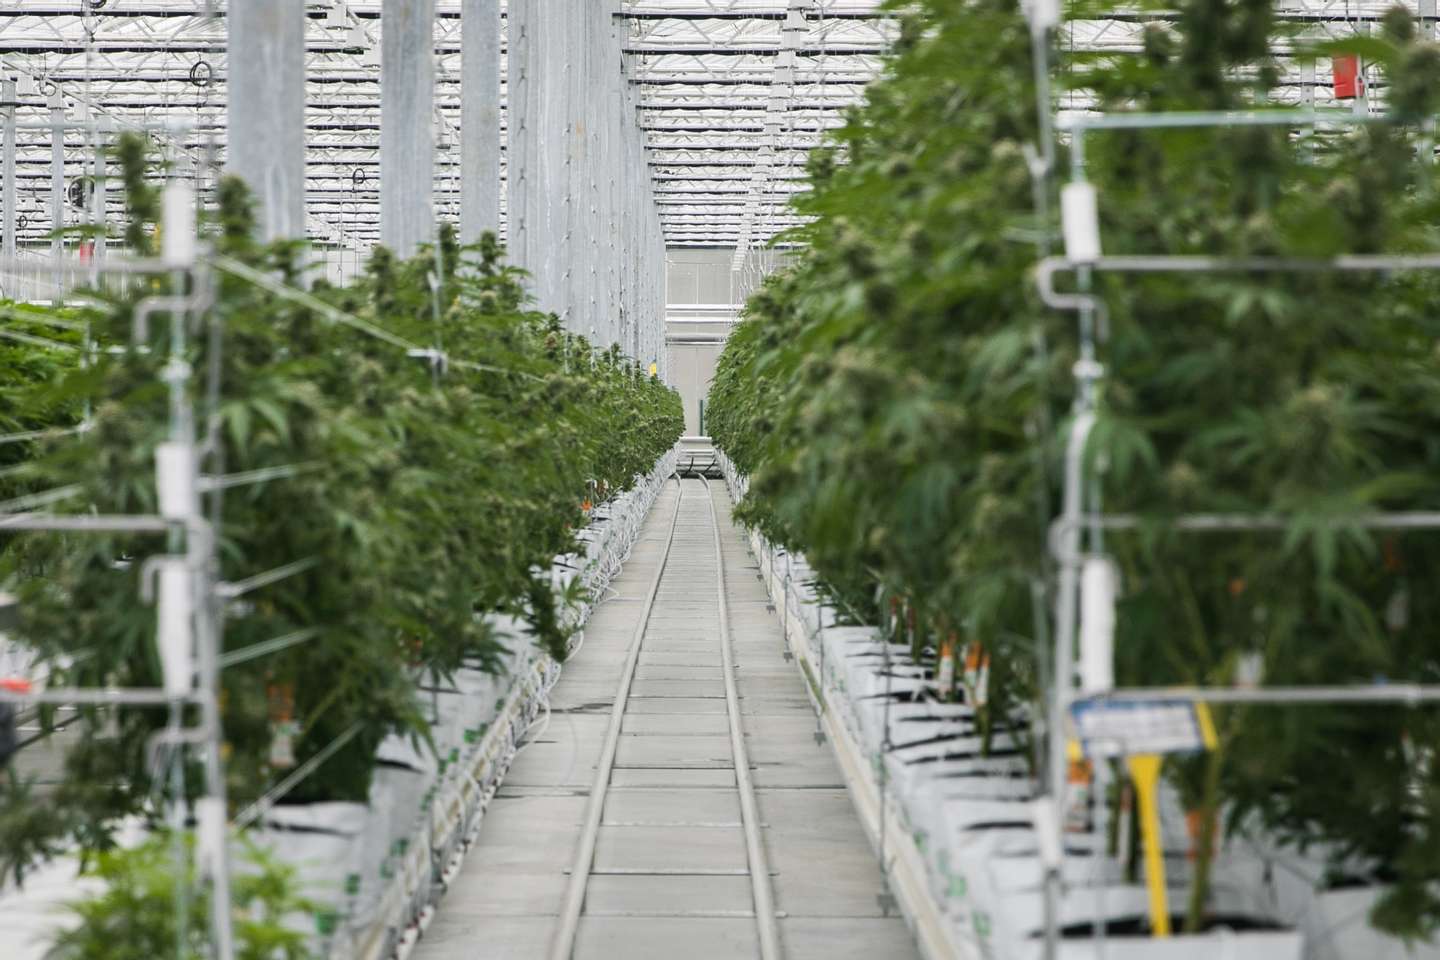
(115, 523)
(267, 647)
(245, 478)
(479, 118)
(57, 194)
(1349, 262)
(407, 109)
(760, 885)
(1204, 118)
(1397, 693)
(27, 435)
(266, 125)
(90, 696)
(99, 199)
(9, 196)
(238, 588)
(563, 944)
(1066, 617)
(1062, 530)
(259, 808)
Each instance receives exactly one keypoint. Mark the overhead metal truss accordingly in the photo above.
(705, 71)
(732, 94)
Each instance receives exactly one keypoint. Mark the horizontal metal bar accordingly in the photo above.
(134, 696)
(1401, 693)
(1079, 122)
(1207, 522)
(117, 523)
(258, 809)
(27, 435)
(74, 265)
(1353, 262)
(1062, 528)
(44, 343)
(278, 287)
(238, 588)
(31, 500)
(209, 483)
(267, 647)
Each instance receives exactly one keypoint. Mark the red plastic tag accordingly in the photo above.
(1346, 74)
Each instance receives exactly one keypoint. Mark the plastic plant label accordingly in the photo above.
(1080, 221)
(1115, 729)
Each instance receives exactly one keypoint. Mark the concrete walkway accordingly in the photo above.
(670, 877)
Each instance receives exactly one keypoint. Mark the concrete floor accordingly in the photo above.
(670, 878)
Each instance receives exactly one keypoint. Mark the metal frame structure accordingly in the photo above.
(711, 104)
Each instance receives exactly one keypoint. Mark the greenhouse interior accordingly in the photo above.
(780, 479)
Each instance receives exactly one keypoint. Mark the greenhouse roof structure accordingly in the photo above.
(730, 94)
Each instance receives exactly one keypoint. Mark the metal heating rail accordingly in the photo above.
(584, 865)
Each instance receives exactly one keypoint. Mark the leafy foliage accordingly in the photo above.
(423, 499)
(900, 401)
(135, 916)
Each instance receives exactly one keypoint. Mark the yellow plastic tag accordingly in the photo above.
(1145, 771)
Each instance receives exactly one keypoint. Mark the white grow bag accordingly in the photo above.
(966, 867)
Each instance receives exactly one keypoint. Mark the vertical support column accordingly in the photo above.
(570, 255)
(407, 135)
(9, 196)
(266, 51)
(57, 192)
(520, 126)
(99, 200)
(548, 76)
(479, 119)
(1427, 30)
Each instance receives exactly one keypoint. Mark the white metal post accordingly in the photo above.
(99, 199)
(520, 109)
(1427, 30)
(57, 192)
(9, 196)
(266, 117)
(479, 119)
(407, 135)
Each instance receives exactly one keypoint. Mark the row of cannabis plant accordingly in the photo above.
(422, 496)
(900, 400)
